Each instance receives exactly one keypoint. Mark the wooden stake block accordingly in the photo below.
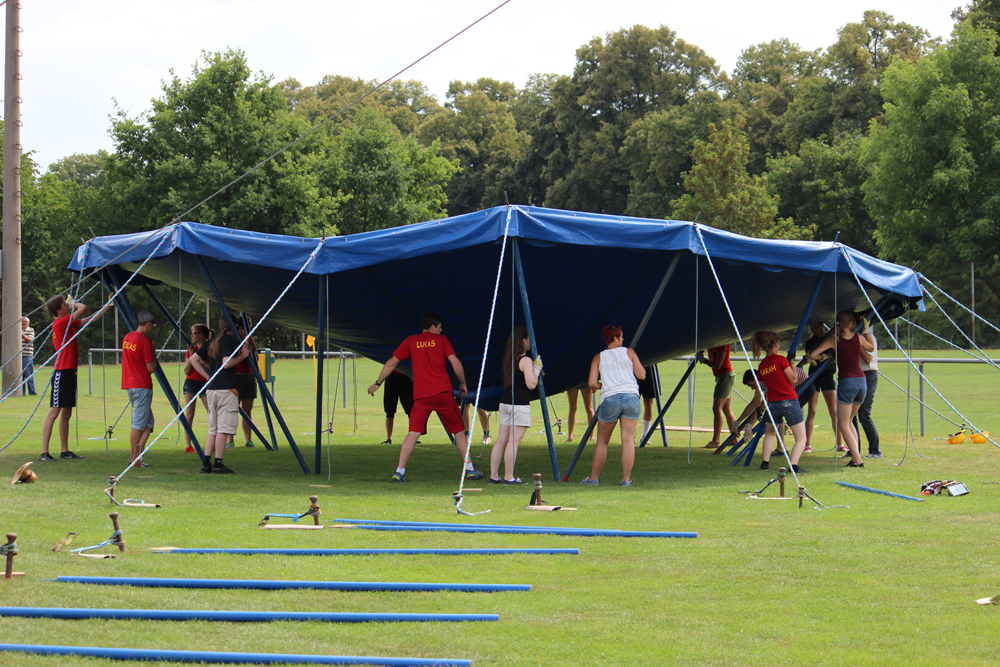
(119, 539)
(291, 526)
(11, 552)
(97, 556)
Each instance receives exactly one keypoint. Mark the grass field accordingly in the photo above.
(887, 581)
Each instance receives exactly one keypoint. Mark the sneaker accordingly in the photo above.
(46, 457)
(251, 445)
(852, 464)
(494, 480)
(777, 452)
(808, 449)
(874, 455)
(206, 469)
(189, 449)
(590, 482)
(399, 477)
(69, 455)
(220, 469)
(846, 456)
(797, 469)
(230, 444)
(842, 448)
(516, 480)
(143, 464)
(474, 474)
(626, 482)
(765, 465)
(387, 441)
(487, 440)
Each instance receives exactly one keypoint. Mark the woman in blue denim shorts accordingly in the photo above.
(618, 368)
(851, 382)
(780, 378)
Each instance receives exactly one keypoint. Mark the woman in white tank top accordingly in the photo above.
(617, 367)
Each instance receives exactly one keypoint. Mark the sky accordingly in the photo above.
(80, 59)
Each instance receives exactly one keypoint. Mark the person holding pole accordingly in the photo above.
(430, 353)
(520, 376)
(618, 368)
(138, 364)
(780, 378)
(69, 316)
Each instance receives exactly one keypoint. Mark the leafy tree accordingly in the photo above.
(821, 186)
(616, 82)
(763, 84)
(980, 14)
(934, 183)
(85, 169)
(477, 129)
(658, 149)
(720, 192)
(847, 95)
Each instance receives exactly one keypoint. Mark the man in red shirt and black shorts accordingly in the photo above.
(430, 353)
(69, 318)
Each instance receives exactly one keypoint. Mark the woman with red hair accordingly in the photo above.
(618, 368)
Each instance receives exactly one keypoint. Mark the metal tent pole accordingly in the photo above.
(320, 363)
(666, 406)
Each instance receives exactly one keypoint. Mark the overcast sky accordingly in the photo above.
(80, 57)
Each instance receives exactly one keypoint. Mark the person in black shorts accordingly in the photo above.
(825, 384)
(648, 389)
(398, 389)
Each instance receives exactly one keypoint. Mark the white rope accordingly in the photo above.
(482, 371)
(959, 303)
(249, 335)
(940, 395)
(739, 336)
(984, 356)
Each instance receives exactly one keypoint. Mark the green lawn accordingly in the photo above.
(887, 581)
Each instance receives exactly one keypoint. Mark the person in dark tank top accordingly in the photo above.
(520, 376)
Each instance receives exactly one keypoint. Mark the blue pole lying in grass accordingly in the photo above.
(879, 491)
(371, 552)
(223, 657)
(537, 530)
(270, 585)
(236, 616)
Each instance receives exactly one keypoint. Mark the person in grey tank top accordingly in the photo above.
(614, 372)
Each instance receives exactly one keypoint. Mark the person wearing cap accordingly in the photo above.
(69, 319)
(138, 364)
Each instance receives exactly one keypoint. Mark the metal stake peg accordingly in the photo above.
(536, 495)
(314, 509)
(781, 482)
(802, 495)
(11, 550)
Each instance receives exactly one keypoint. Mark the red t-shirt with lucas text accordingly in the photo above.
(137, 351)
(63, 329)
(429, 355)
(772, 372)
(713, 356)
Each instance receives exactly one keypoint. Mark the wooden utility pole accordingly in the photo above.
(10, 347)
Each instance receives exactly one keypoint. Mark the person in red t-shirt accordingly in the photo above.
(138, 364)
(780, 378)
(69, 318)
(430, 353)
(717, 358)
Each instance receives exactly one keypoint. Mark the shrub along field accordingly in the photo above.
(885, 581)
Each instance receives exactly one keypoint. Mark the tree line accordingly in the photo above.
(887, 140)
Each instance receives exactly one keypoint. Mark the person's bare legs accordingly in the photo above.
(769, 438)
(799, 433)
(510, 454)
(497, 453)
(247, 406)
(831, 405)
(571, 396)
(604, 431)
(811, 417)
(64, 416)
(628, 447)
(407, 447)
(847, 430)
(722, 412)
(50, 420)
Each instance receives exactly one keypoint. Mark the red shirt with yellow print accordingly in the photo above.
(429, 355)
(772, 373)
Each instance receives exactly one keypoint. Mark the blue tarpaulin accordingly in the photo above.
(582, 272)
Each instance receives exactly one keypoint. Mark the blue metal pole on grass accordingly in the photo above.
(266, 394)
(236, 616)
(371, 552)
(225, 657)
(273, 585)
(534, 353)
(879, 491)
(486, 528)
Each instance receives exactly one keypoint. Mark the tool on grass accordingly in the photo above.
(313, 511)
(24, 474)
(755, 495)
(128, 502)
(10, 550)
(537, 504)
(115, 539)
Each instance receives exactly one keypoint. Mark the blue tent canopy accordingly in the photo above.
(581, 270)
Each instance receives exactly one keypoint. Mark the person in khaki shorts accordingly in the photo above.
(222, 352)
(520, 376)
